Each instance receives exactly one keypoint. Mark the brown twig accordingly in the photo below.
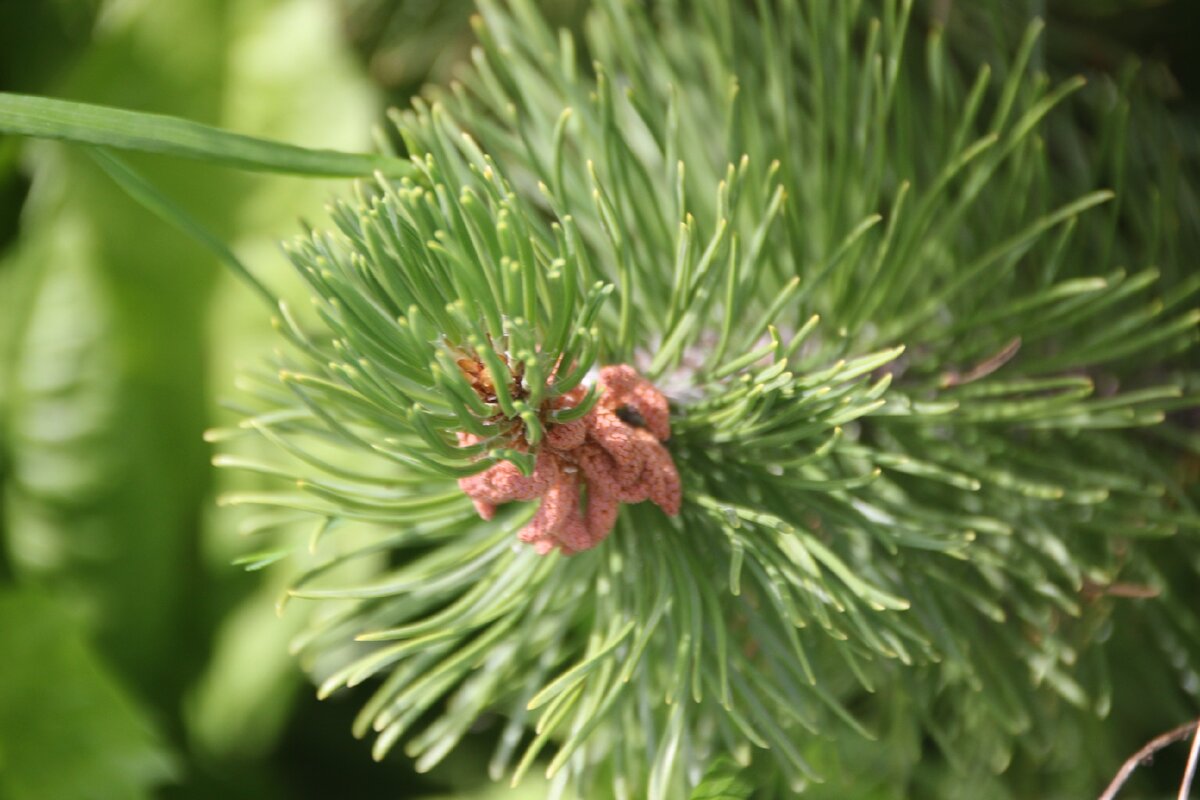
(983, 368)
(1185, 788)
(1146, 754)
(1091, 590)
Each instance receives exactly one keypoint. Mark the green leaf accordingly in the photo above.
(67, 729)
(107, 390)
(85, 123)
(724, 780)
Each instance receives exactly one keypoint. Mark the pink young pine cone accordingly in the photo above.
(615, 461)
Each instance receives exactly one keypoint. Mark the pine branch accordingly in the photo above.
(908, 391)
(845, 509)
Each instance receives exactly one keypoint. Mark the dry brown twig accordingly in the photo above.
(983, 368)
(1147, 753)
(1185, 788)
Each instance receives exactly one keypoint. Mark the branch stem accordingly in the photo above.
(1148, 752)
(1185, 788)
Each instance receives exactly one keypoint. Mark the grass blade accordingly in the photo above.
(83, 123)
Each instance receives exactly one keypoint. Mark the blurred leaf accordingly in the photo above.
(725, 780)
(247, 689)
(172, 214)
(62, 404)
(107, 403)
(242, 700)
(38, 40)
(80, 736)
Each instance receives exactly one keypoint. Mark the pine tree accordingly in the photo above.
(926, 382)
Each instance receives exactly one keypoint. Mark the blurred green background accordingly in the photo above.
(137, 659)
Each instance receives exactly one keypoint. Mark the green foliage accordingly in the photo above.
(67, 729)
(724, 780)
(928, 387)
(103, 410)
(157, 133)
(109, 360)
(861, 518)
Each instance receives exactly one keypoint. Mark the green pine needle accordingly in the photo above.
(908, 391)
